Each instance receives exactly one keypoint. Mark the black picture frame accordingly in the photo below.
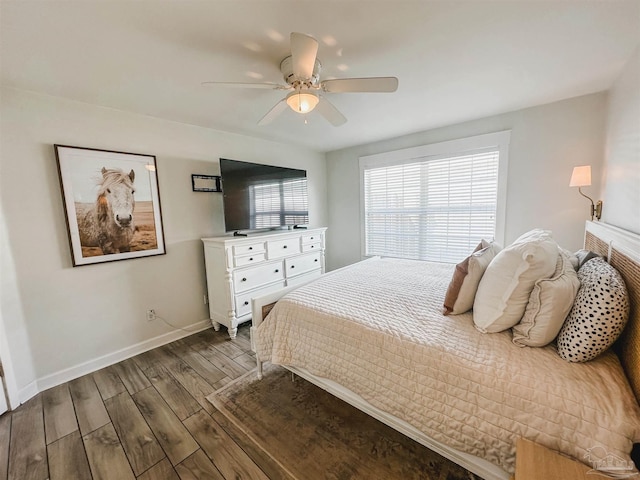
(111, 203)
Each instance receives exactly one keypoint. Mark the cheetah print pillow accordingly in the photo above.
(598, 315)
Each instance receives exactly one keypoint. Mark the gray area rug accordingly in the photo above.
(314, 435)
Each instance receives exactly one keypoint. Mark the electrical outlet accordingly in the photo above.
(206, 300)
(151, 315)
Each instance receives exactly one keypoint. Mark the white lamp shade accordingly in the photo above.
(581, 176)
(302, 102)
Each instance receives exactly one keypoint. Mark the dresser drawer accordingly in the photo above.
(243, 301)
(282, 248)
(248, 278)
(311, 238)
(249, 259)
(304, 278)
(310, 247)
(248, 249)
(301, 264)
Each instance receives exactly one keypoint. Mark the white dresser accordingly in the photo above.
(240, 268)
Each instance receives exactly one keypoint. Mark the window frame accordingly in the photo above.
(464, 146)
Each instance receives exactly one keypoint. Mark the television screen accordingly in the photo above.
(259, 196)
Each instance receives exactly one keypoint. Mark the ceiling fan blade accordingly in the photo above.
(277, 109)
(361, 85)
(304, 50)
(331, 113)
(269, 86)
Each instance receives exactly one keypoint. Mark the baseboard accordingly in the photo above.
(77, 371)
(25, 393)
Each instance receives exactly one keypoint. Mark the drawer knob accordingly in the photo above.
(316, 260)
(244, 279)
(277, 270)
(284, 246)
(250, 248)
(251, 259)
(246, 302)
(313, 246)
(293, 266)
(311, 238)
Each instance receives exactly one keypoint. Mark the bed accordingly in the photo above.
(466, 395)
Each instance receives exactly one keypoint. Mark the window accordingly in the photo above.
(284, 202)
(435, 202)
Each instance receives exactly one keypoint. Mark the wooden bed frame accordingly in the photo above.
(619, 247)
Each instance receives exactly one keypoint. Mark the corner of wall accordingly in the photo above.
(15, 349)
(621, 172)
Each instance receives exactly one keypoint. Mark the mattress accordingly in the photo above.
(377, 328)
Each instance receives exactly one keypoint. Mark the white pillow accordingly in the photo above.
(466, 278)
(506, 285)
(549, 304)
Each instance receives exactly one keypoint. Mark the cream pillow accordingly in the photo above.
(506, 285)
(549, 304)
(466, 278)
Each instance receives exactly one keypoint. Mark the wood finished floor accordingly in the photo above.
(146, 418)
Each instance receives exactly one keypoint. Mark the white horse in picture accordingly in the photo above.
(109, 223)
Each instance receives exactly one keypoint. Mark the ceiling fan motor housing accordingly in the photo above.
(286, 67)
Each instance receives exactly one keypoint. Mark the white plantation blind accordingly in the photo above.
(435, 209)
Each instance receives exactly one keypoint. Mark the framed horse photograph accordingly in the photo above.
(112, 204)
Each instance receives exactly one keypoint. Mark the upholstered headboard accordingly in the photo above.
(622, 250)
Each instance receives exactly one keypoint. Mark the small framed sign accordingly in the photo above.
(206, 183)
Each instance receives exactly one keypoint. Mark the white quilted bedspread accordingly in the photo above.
(377, 329)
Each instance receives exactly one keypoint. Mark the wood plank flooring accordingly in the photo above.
(145, 418)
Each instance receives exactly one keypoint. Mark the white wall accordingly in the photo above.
(546, 143)
(57, 317)
(621, 198)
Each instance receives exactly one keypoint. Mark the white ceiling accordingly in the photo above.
(455, 61)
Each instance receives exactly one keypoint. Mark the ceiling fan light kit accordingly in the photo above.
(302, 102)
(301, 72)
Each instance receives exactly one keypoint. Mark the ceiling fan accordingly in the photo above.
(301, 71)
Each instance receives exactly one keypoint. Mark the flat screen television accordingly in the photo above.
(257, 196)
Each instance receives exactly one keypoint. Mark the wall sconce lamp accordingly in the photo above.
(581, 177)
